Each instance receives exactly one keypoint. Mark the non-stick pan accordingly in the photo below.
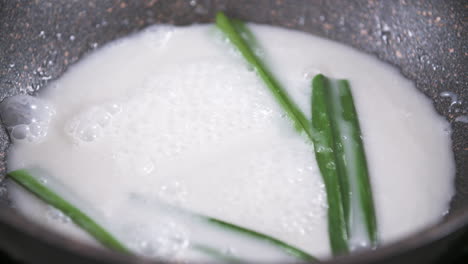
(425, 39)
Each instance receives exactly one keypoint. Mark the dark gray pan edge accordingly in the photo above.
(426, 40)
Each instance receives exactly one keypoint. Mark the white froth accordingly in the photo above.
(88, 125)
(173, 115)
(26, 117)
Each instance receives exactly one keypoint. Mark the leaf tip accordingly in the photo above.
(220, 16)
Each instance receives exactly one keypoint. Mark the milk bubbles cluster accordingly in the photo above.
(167, 238)
(88, 125)
(26, 117)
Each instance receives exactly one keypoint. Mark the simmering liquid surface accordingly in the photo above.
(172, 117)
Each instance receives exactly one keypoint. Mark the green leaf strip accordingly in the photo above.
(357, 197)
(241, 37)
(230, 29)
(324, 145)
(289, 249)
(30, 183)
(336, 129)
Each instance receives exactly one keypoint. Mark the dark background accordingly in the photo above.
(5, 259)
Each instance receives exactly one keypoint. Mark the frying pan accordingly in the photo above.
(425, 39)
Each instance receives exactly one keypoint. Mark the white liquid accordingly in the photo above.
(174, 115)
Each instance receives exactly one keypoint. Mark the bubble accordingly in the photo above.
(321, 149)
(165, 238)
(20, 132)
(113, 108)
(145, 164)
(57, 215)
(26, 117)
(173, 193)
(43, 180)
(385, 35)
(456, 104)
(424, 58)
(89, 125)
(309, 73)
(89, 133)
(104, 119)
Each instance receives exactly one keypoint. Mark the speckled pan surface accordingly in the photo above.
(427, 40)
